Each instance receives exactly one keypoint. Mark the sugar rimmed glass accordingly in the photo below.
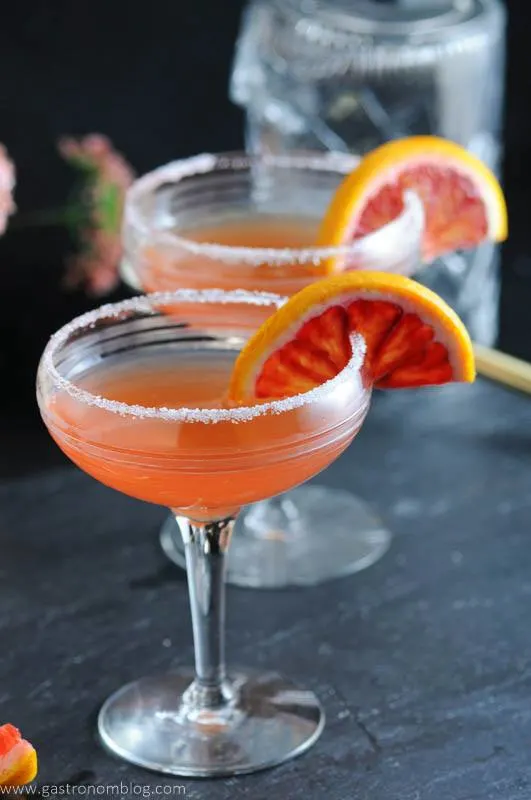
(204, 462)
(278, 542)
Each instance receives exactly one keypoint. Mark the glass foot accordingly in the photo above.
(267, 721)
(304, 537)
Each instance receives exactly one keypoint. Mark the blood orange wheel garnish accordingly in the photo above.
(18, 759)
(463, 201)
(412, 338)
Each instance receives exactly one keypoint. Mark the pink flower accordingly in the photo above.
(7, 184)
(107, 176)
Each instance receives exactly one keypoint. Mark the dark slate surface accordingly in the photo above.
(423, 662)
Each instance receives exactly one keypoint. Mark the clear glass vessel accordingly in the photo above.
(348, 76)
(237, 221)
(134, 393)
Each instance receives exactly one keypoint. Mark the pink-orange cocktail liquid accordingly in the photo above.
(205, 469)
(160, 268)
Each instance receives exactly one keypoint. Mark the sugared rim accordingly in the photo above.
(407, 226)
(151, 303)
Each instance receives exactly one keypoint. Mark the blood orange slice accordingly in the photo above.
(18, 759)
(412, 338)
(463, 201)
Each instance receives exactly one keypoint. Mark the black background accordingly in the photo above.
(153, 76)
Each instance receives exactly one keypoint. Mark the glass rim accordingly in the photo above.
(339, 24)
(407, 225)
(153, 303)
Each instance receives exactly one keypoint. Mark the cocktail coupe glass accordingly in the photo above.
(168, 214)
(134, 394)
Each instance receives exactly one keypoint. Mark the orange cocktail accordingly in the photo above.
(198, 458)
(136, 395)
(205, 401)
(248, 222)
(257, 231)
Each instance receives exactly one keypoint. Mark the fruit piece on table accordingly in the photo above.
(412, 337)
(463, 201)
(18, 759)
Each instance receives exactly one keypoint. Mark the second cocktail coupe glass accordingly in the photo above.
(134, 393)
(237, 221)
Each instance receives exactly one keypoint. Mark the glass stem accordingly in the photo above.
(206, 545)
